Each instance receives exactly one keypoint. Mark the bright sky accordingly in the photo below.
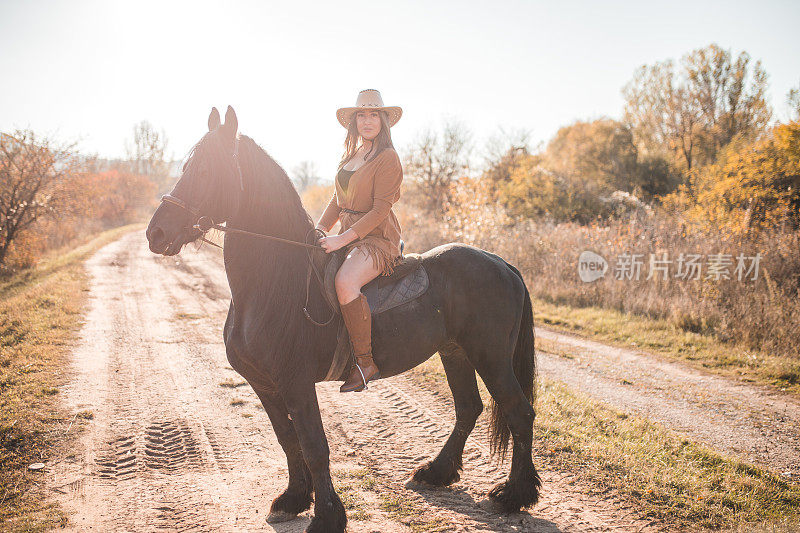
(89, 70)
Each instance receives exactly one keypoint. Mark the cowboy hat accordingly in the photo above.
(369, 99)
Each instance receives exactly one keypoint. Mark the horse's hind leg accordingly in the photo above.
(444, 469)
(521, 489)
(297, 496)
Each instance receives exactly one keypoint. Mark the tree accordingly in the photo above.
(731, 98)
(117, 196)
(535, 191)
(435, 160)
(793, 99)
(657, 177)
(695, 110)
(580, 175)
(146, 155)
(503, 153)
(663, 117)
(750, 186)
(34, 172)
(601, 152)
(305, 175)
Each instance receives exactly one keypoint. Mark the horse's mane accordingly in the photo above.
(270, 194)
(277, 273)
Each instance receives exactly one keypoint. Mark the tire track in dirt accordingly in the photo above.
(751, 422)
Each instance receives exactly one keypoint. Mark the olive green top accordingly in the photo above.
(344, 177)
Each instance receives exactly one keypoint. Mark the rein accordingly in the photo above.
(205, 223)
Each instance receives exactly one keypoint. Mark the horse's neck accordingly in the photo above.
(253, 262)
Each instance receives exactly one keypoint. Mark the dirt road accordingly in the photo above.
(754, 423)
(176, 442)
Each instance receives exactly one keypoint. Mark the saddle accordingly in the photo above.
(407, 282)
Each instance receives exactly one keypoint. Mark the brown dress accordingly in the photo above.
(370, 190)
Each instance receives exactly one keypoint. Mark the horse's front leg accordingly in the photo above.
(329, 514)
(298, 495)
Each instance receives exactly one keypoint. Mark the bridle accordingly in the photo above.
(206, 223)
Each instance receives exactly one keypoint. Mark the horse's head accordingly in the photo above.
(209, 186)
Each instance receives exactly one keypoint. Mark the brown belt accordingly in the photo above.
(351, 211)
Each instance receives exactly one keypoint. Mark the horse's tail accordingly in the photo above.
(524, 362)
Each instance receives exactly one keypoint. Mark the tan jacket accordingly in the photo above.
(373, 188)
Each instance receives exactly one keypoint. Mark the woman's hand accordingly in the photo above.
(332, 243)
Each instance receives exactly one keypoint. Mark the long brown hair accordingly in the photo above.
(353, 140)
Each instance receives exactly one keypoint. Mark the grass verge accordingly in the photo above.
(663, 337)
(41, 310)
(671, 479)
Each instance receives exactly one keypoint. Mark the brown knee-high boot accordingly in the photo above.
(358, 321)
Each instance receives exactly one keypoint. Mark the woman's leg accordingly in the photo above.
(356, 271)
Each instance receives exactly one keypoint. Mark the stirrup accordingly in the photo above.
(363, 379)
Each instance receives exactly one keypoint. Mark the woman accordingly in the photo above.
(367, 184)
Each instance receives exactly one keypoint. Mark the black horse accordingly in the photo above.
(476, 314)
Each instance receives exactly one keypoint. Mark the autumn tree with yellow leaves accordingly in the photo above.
(578, 173)
(751, 187)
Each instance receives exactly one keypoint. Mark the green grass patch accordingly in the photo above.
(405, 510)
(349, 484)
(187, 316)
(352, 483)
(668, 476)
(397, 506)
(666, 338)
(40, 313)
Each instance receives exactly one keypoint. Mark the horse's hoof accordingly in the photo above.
(277, 517)
(432, 474)
(491, 506)
(513, 497)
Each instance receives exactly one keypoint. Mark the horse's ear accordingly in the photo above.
(213, 119)
(231, 122)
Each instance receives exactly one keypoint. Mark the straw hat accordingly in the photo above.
(370, 99)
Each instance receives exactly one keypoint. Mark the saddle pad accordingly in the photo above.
(408, 281)
(385, 296)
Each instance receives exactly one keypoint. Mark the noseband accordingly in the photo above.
(205, 223)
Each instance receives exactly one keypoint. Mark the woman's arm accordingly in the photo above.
(331, 214)
(388, 177)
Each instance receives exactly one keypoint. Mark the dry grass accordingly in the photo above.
(669, 477)
(232, 383)
(40, 313)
